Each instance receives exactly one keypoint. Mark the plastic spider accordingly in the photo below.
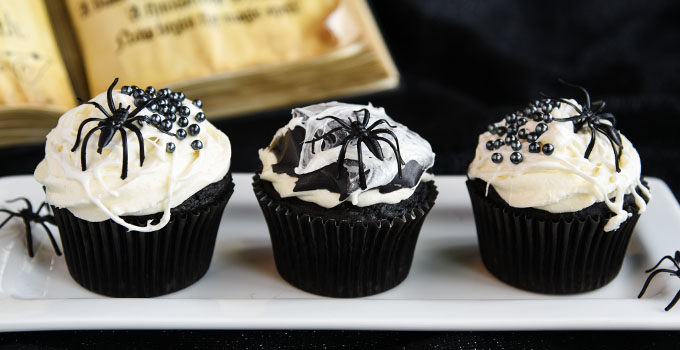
(590, 114)
(116, 121)
(362, 133)
(28, 215)
(675, 260)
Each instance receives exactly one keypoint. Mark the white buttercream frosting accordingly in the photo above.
(564, 181)
(163, 182)
(316, 156)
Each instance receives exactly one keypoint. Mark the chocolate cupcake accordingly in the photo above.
(556, 191)
(345, 190)
(138, 181)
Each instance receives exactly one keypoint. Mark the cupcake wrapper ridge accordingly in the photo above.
(561, 256)
(107, 259)
(341, 258)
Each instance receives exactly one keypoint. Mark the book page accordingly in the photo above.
(157, 42)
(32, 73)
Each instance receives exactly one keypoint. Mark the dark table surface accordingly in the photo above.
(463, 65)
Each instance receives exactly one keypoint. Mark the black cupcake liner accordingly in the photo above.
(106, 258)
(341, 258)
(565, 255)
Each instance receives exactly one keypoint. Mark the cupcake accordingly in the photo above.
(138, 181)
(344, 190)
(556, 191)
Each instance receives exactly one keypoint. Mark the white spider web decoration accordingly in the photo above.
(378, 173)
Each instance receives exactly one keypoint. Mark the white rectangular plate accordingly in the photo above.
(448, 287)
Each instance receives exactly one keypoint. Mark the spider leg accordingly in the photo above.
(614, 140)
(140, 138)
(29, 238)
(48, 218)
(319, 138)
(373, 146)
(11, 215)
(609, 117)
(80, 130)
(313, 142)
(580, 88)
(673, 302)
(389, 132)
(650, 277)
(123, 136)
(578, 125)
(141, 107)
(660, 261)
(52, 240)
(83, 161)
(356, 116)
(109, 95)
(100, 108)
(42, 205)
(362, 176)
(591, 144)
(610, 132)
(396, 152)
(28, 203)
(143, 118)
(139, 117)
(617, 155)
(381, 121)
(341, 156)
(342, 122)
(569, 119)
(600, 106)
(367, 116)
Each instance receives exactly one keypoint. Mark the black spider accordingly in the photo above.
(119, 119)
(590, 114)
(28, 215)
(362, 133)
(675, 273)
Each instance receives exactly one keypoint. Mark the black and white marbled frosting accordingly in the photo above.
(309, 171)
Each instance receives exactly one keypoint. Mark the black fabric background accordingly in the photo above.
(463, 65)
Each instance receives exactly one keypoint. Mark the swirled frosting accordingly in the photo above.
(163, 182)
(563, 181)
(308, 171)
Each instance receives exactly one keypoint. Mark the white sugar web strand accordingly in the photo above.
(85, 182)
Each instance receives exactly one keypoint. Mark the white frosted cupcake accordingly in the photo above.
(138, 180)
(344, 190)
(556, 191)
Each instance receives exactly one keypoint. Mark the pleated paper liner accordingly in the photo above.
(341, 258)
(106, 258)
(566, 255)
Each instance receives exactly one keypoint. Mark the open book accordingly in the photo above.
(237, 56)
